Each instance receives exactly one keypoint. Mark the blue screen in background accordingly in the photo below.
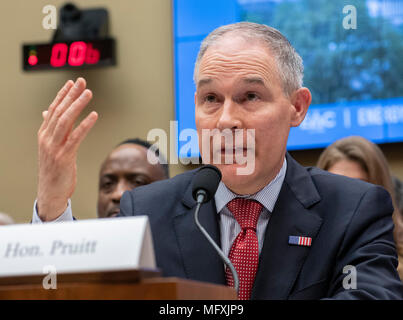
(355, 75)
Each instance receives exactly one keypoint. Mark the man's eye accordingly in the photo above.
(210, 98)
(137, 181)
(106, 186)
(251, 96)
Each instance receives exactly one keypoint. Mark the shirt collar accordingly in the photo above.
(267, 196)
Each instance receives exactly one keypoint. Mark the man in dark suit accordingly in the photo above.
(349, 222)
(291, 232)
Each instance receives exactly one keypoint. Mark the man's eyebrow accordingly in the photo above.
(203, 82)
(254, 80)
(108, 175)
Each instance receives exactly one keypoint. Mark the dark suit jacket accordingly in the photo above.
(348, 220)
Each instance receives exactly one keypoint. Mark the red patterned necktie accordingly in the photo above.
(244, 253)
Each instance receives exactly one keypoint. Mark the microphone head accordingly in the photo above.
(206, 178)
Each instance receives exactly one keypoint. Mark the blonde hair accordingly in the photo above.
(364, 152)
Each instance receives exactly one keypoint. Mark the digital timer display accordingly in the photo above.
(69, 55)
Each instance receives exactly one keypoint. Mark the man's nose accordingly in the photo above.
(118, 192)
(229, 117)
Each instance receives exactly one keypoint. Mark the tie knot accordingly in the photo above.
(245, 211)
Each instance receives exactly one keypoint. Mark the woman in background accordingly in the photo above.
(356, 157)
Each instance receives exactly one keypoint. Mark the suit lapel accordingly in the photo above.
(200, 260)
(280, 262)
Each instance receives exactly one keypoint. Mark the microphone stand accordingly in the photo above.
(201, 194)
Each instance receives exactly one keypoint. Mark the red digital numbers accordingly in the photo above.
(76, 55)
(59, 55)
(92, 56)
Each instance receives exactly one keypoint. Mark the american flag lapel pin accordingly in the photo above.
(300, 241)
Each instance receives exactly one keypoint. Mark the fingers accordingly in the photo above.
(69, 98)
(79, 133)
(59, 97)
(66, 120)
(59, 119)
(58, 144)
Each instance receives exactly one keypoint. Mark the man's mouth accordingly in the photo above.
(233, 150)
(113, 213)
(233, 155)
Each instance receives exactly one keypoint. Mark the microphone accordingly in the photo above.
(205, 184)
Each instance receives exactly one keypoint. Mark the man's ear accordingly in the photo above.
(300, 101)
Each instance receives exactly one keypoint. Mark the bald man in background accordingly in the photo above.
(125, 168)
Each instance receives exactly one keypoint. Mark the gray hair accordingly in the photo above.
(289, 62)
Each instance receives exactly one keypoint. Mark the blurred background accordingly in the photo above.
(355, 76)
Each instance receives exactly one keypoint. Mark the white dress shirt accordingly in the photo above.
(66, 216)
(229, 227)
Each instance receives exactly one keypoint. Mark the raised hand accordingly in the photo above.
(58, 143)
